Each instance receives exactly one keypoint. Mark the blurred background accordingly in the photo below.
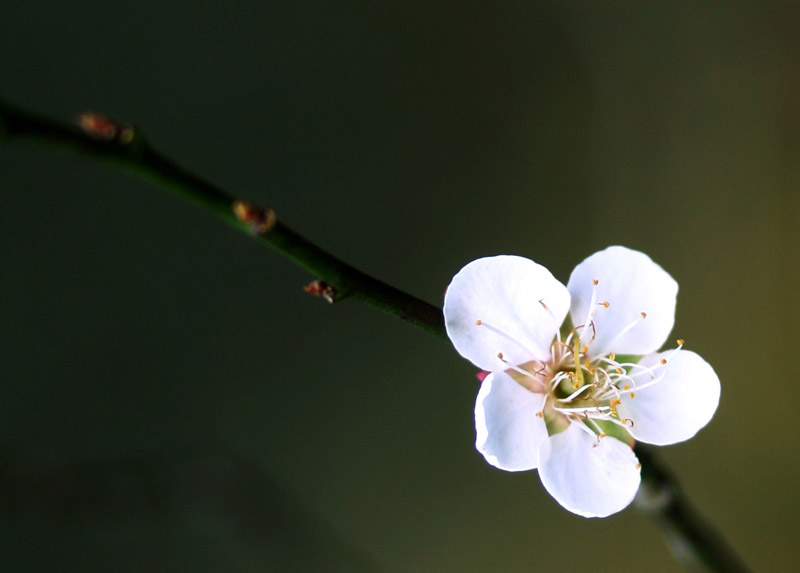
(172, 400)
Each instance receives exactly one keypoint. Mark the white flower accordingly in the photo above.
(570, 403)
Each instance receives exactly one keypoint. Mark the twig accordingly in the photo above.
(692, 539)
(103, 138)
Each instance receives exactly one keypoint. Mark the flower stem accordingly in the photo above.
(693, 540)
(125, 146)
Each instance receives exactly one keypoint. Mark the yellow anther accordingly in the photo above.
(602, 434)
(478, 322)
(638, 466)
(627, 387)
(619, 371)
(633, 395)
(605, 304)
(643, 314)
(663, 361)
(612, 356)
(680, 342)
(584, 349)
(500, 355)
(595, 282)
(540, 414)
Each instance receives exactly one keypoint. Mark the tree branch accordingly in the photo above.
(694, 541)
(104, 139)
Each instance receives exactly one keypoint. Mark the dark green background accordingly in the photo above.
(172, 400)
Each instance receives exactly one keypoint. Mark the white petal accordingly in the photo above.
(632, 284)
(675, 408)
(508, 429)
(504, 293)
(586, 477)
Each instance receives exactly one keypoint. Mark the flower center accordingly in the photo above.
(584, 388)
(587, 389)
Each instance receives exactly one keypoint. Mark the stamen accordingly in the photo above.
(594, 411)
(586, 429)
(592, 304)
(652, 382)
(553, 319)
(502, 334)
(574, 394)
(519, 370)
(625, 330)
(674, 352)
(600, 432)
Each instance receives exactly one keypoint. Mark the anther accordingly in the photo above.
(500, 355)
(602, 434)
(595, 282)
(604, 304)
(638, 466)
(627, 387)
(680, 342)
(663, 361)
(540, 414)
(541, 301)
(643, 314)
(612, 356)
(478, 322)
(584, 349)
(633, 395)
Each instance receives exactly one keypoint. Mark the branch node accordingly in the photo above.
(261, 220)
(105, 128)
(322, 289)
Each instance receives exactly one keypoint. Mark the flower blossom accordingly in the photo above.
(570, 400)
